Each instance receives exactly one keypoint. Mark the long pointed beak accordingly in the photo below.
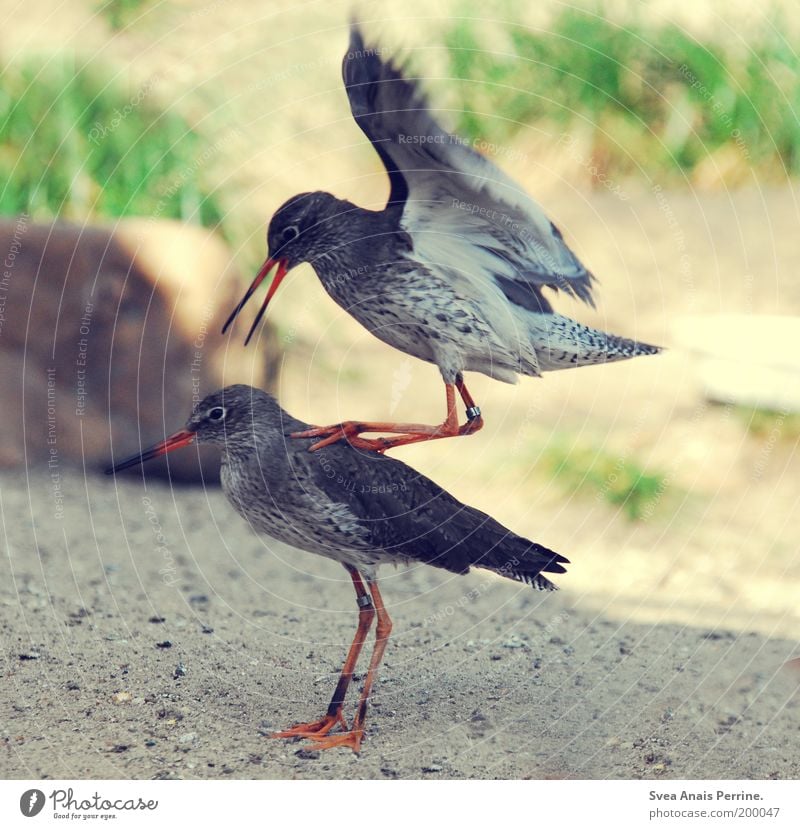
(283, 269)
(176, 441)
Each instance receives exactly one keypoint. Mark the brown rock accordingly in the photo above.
(107, 337)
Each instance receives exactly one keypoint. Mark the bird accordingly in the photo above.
(362, 509)
(452, 270)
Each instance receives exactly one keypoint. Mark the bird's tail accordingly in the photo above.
(467, 538)
(522, 560)
(564, 343)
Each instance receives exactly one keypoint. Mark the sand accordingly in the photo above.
(149, 633)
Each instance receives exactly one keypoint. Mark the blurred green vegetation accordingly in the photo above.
(644, 97)
(769, 423)
(617, 479)
(75, 145)
(120, 13)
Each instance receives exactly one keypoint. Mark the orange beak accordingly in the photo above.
(176, 441)
(283, 269)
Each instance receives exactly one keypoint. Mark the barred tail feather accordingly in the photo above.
(524, 561)
(562, 343)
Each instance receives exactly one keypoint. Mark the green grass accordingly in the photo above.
(646, 97)
(76, 146)
(618, 480)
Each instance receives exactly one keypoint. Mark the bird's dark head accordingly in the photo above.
(231, 414)
(304, 229)
(234, 418)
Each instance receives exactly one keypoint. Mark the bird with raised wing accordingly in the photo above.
(451, 271)
(360, 509)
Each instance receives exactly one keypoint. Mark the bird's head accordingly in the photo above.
(302, 230)
(220, 416)
(231, 418)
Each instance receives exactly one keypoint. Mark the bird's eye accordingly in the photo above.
(217, 413)
(290, 233)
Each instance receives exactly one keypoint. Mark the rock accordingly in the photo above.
(513, 643)
(107, 337)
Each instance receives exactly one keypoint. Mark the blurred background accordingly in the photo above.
(664, 140)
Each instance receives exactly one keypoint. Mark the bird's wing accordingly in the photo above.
(457, 206)
(409, 516)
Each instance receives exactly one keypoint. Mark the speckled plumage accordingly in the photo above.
(452, 270)
(358, 508)
(362, 510)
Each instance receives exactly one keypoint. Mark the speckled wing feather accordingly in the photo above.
(409, 516)
(458, 207)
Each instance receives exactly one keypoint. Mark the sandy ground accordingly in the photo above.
(134, 656)
(662, 656)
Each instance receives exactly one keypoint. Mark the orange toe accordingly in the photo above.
(349, 739)
(319, 728)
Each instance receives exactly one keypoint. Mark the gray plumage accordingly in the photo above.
(361, 509)
(452, 271)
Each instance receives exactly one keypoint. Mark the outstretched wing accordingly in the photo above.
(458, 207)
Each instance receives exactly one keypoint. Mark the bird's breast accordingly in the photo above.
(294, 516)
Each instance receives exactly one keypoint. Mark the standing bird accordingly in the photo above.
(361, 510)
(450, 271)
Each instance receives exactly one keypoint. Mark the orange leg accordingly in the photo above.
(352, 739)
(333, 716)
(351, 430)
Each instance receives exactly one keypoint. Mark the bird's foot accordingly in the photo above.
(349, 430)
(403, 434)
(313, 730)
(348, 739)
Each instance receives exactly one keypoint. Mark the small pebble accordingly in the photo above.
(165, 644)
(307, 754)
(513, 643)
(180, 670)
(121, 697)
